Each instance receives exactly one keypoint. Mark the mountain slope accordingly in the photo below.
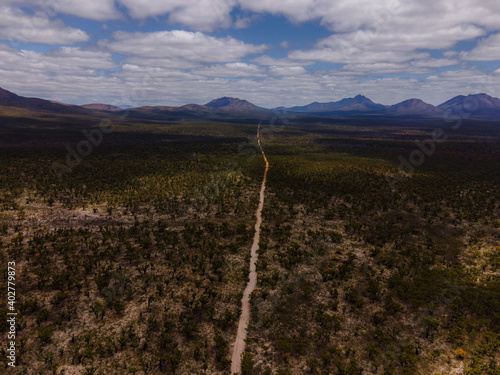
(224, 108)
(102, 107)
(232, 103)
(473, 105)
(218, 109)
(10, 99)
(414, 107)
(358, 103)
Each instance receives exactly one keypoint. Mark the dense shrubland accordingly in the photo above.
(356, 277)
(135, 262)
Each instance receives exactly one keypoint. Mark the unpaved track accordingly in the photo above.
(239, 343)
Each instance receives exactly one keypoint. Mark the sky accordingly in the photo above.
(272, 53)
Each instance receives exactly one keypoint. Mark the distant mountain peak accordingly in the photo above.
(473, 104)
(231, 103)
(361, 97)
(412, 103)
(359, 103)
(102, 107)
(414, 106)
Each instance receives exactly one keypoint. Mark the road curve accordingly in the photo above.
(239, 343)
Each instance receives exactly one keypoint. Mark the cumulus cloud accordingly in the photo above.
(286, 70)
(372, 41)
(422, 66)
(204, 15)
(18, 26)
(487, 49)
(352, 55)
(99, 10)
(386, 45)
(350, 15)
(244, 22)
(267, 60)
(237, 69)
(54, 75)
(376, 68)
(295, 10)
(388, 36)
(194, 47)
(66, 60)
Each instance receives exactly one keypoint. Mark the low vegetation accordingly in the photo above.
(135, 262)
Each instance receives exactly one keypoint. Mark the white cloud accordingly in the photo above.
(244, 22)
(351, 55)
(340, 15)
(350, 15)
(391, 39)
(370, 39)
(99, 10)
(237, 69)
(487, 49)
(150, 77)
(384, 45)
(450, 54)
(286, 70)
(285, 44)
(67, 74)
(267, 60)
(66, 60)
(422, 66)
(166, 63)
(194, 47)
(26, 73)
(18, 26)
(434, 63)
(204, 15)
(295, 10)
(375, 68)
(390, 33)
(468, 81)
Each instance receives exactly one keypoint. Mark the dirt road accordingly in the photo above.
(239, 343)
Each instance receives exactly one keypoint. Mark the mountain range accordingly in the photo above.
(470, 106)
(480, 106)
(359, 103)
